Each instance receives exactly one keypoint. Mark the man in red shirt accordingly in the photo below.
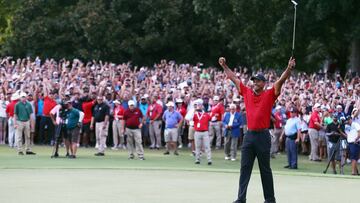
(154, 114)
(257, 142)
(181, 108)
(314, 128)
(217, 112)
(10, 110)
(133, 123)
(118, 126)
(277, 119)
(201, 125)
(87, 105)
(49, 104)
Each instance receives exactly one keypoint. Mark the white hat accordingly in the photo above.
(216, 98)
(179, 100)
(232, 105)
(131, 103)
(339, 107)
(277, 107)
(117, 102)
(23, 94)
(146, 96)
(170, 104)
(350, 87)
(317, 105)
(15, 96)
(198, 101)
(323, 107)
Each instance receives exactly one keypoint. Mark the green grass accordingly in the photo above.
(159, 178)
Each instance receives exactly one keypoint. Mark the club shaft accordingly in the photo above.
(293, 41)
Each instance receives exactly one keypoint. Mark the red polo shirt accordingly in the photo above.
(10, 108)
(154, 111)
(48, 105)
(217, 111)
(258, 107)
(314, 118)
(201, 121)
(119, 112)
(278, 120)
(182, 110)
(132, 118)
(87, 108)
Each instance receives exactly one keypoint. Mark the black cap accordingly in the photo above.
(258, 76)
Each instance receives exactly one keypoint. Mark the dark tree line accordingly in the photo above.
(252, 33)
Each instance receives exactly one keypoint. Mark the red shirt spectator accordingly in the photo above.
(132, 118)
(87, 107)
(260, 107)
(154, 111)
(48, 105)
(201, 121)
(217, 112)
(10, 108)
(278, 120)
(313, 119)
(182, 110)
(119, 112)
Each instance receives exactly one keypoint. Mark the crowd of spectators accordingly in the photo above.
(86, 85)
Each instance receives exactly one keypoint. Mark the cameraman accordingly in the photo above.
(58, 116)
(333, 132)
(73, 122)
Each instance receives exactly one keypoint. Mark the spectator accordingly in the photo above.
(172, 121)
(217, 111)
(333, 132)
(133, 125)
(314, 128)
(292, 132)
(232, 123)
(352, 131)
(100, 121)
(201, 125)
(10, 113)
(118, 126)
(22, 114)
(154, 114)
(3, 119)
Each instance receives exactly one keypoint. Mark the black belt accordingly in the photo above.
(132, 128)
(258, 130)
(23, 121)
(292, 137)
(201, 131)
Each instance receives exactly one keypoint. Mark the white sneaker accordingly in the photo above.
(114, 148)
(97, 146)
(348, 161)
(180, 146)
(233, 159)
(227, 158)
(359, 161)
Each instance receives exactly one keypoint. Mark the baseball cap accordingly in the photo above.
(179, 101)
(216, 98)
(293, 110)
(170, 104)
(258, 76)
(232, 106)
(116, 102)
(131, 103)
(317, 105)
(198, 102)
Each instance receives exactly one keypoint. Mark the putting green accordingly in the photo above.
(158, 179)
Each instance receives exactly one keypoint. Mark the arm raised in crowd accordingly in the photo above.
(230, 74)
(285, 75)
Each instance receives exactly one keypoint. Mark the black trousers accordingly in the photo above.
(256, 144)
(46, 124)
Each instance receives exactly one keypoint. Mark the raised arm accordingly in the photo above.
(285, 75)
(230, 74)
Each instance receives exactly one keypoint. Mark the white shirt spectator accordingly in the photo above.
(3, 105)
(352, 131)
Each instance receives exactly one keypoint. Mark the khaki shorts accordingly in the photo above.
(191, 133)
(74, 135)
(171, 135)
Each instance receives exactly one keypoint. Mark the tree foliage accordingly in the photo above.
(254, 33)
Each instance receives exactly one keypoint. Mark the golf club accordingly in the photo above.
(293, 42)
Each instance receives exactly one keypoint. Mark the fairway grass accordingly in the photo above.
(160, 178)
